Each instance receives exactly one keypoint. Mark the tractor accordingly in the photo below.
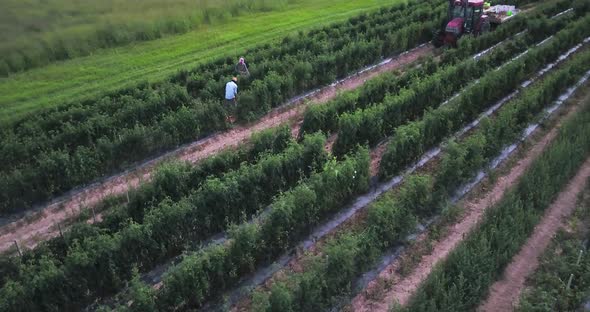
(469, 17)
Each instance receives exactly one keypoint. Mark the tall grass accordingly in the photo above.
(34, 33)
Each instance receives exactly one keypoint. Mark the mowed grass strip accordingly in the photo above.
(112, 69)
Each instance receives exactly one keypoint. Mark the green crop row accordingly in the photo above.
(412, 140)
(562, 281)
(171, 181)
(377, 122)
(99, 263)
(326, 117)
(200, 279)
(175, 180)
(267, 251)
(206, 274)
(464, 277)
(67, 147)
(329, 276)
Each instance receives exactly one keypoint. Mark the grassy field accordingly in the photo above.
(34, 33)
(115, 68)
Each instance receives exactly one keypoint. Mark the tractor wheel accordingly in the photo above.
(484, 27)
(439, 39)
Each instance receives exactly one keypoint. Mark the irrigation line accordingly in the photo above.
(564, 12)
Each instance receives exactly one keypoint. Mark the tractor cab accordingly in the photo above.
(473, 14)
(454, 27)
(469, 17)
(456, 10)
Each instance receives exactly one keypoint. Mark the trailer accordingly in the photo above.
(499, 14)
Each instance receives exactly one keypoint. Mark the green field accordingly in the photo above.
(34, 33)
(115, 68)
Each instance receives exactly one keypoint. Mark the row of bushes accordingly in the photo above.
(206, 274)
(464, 277)
(171, 181)
(566, 258)
(305, 48)
(413, 139)
(192, 288)
(200, 281)
(52, 124)
(175, 180)
(67, 148)
(56, 171)
(99, 263)
(376, 122)
(109, 276)
(330, 275)
(325, 117)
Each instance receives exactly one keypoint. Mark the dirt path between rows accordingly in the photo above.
(402, 288)
(504, 294)
(42, 225)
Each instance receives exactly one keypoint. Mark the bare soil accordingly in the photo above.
(376, 156)
(504, 294)
(42, 224)
(401, 288)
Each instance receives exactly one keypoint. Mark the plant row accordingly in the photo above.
(377, 122)
(98, 264)
(329, 275)
(464, 277)
(207, 273)
(325, 117)
(562, 280)
(195, 282)
(171, 181)
(103, 286)
(73, 145)
(287, 234)
(412, 140)
(219, 70)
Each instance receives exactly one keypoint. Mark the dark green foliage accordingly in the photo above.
(97, 265)
(463, 279)
(280, 299)
(291, 216)
(69, 146)
(411, 140)
(459, 284)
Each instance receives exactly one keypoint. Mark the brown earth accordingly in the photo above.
(504, 293)
(403, 287)
(376, 156)
(42, 225)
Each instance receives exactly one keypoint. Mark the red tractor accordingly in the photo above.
(465, 17)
